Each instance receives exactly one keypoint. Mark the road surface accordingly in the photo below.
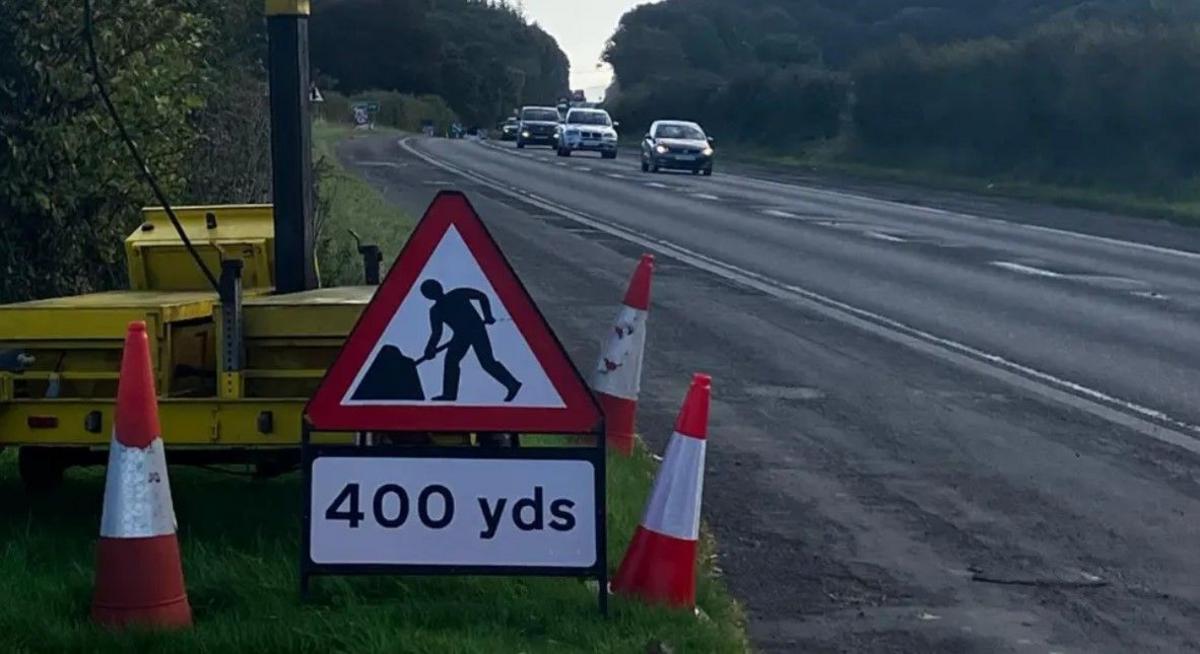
(954, 426)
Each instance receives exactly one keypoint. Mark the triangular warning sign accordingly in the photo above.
(452, 342)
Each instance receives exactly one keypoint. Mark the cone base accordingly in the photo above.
(139, 581)
(658, 569)
(619, 417)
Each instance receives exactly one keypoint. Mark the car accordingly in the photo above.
(537, 126)
(677, 145)
(588, 130)
(509, 129)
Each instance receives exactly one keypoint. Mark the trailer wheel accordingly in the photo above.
(41, 468)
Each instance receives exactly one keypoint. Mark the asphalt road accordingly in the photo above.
(942, 424)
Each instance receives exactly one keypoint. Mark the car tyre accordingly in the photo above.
(708, 172)
(520, 144)
(609, 155)
(564, 152)
(645, 166)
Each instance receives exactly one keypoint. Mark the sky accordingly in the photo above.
(581, 27)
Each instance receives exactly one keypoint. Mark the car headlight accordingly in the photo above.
(708, 152)
(610, 137)
(661, 149)
(525, 133)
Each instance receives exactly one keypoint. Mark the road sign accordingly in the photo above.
(455, 511)
(452, 342)
(460, 512)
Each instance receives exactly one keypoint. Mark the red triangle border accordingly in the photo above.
(580, 413)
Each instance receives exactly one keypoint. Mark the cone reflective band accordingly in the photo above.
(139, 576)
(617, 379)
(660, 564)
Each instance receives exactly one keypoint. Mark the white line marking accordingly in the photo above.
(961, 216)
(884, 236)
(779, 213)
(560, 163)
(1027, 270)
(617, 176)
(379, 164)
(656, 185)
(583, 169)
(705, 196)
(1152, 295)
(1097, 403)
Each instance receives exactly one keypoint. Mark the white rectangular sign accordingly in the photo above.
(453, 512)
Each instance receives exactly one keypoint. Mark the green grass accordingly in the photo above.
(240, 540)
(346, 202)
(240, 543)
(1184, 208)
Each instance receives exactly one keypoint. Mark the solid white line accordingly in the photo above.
(377, 164)
(1143, 420)
(1027, 270)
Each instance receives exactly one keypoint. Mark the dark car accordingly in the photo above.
(538, 126)
(677, 145)
(509, 129)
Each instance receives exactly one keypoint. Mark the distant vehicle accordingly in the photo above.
(588, 130)
(537, 126)
(678, 145)
(509, 129)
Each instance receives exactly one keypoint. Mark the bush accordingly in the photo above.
(1075, 103)
(399, 110)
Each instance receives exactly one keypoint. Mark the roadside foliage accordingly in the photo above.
(187, 82)
(1061, 91)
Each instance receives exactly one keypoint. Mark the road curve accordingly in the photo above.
(938, 429)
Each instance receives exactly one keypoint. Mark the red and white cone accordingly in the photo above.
(618, 376)
(139, 575)
(660, 564)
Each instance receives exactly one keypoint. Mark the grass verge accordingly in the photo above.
(240, 540)
(345, 202)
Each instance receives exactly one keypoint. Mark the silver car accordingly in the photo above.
(677, 145)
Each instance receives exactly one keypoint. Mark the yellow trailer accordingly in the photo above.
(234, 362)
(56, 405)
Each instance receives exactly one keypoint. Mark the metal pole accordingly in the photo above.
(291, 144)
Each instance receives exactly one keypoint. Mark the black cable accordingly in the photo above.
(98, 80)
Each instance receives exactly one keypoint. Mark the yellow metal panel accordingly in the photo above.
(184, 422)
(157, 259)
(327, 312)
(288, 8)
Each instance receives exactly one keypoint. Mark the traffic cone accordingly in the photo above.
(660, 564)
(139, 577)
(618, 376)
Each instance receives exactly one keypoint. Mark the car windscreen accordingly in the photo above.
(588, 118)
(544, 115)
(678, 132)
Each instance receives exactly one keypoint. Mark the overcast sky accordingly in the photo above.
(581, 27)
